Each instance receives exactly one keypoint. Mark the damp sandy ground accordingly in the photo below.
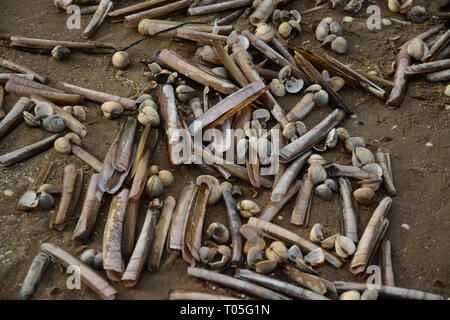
(420, 255)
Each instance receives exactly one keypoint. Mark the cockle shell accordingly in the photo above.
(277, 88)
(121, 60)
(248, 208)
(277, 251)
(417, 49)
(111, 109)
(218, 232)
(364, 196)
(265, 32)
(316, 173)
(316, 234)
(322, 31)
(62, 145)
(339, 45)
(154, 187)
(344, 247)
(54, 124)
(285, 29)
(323, 191)
(362, 156)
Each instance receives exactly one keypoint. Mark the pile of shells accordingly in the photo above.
(287, 22)
(286, 82)
(41, 199)
(330, 33)
(93, 259)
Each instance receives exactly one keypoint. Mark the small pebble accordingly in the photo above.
(386, 22)
(447, 107)
(280, 217)
(347, 19)
(394, 127)
(353, 116)
(429, 144)
(8, 193)
(405, 226)
(447, 91)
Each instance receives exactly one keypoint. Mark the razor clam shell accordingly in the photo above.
(97, 96)
(14, 116)
(21, 69)
(288, 177)
(129, 227)
(387, 270)
(279, 286)
(56, 97)
(218, 7)
(262, 12)
(91, 206)
(122, 155)
(318, 285)
(312, 137)
(369, 239)
(349, 218)
(188, 69)
(234, 222)
(4, 77)
(300, 213)
(384, 160)
(87, 157)
(133, 20)
(182, 294)
(162, 229)
(235, 284)
(118, 178)
(200, 37)
(437, 47)
(28, 151)
(180, 215)
(34, 275)
(271, 209)
(273, 231)
(134, 8)
(112, 236)
(50, 44)
(428, 67)
(141, 251)
(159, 28)
(337, 170)
(228, 107)
(107, 170)
(88, 275)
(99, 16)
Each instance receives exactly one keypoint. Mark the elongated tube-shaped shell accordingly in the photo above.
(14, 116)
(272, 208)
(140, 253)
(87, 157)
(158, 28)
(161, 234)
(180, 216)
(186, 68)
(16, 67)
(91, 206)
(57, 97)
(99, 16)
(112, 236)
(30, 83)
(234, 222)
(384, 160)
(236, 284)
(288, 177)
(228, 107)
(193, 295)
(282, 234)
(133, 20)
(122, 156)
(428, 67)
(262, 12)
(310, 138)
(279, 286)
(349, 216)
(370, 237)
(28, 151)
(34, 275)
(138, 7)
(4, 77)
(300, 213)
(218, 7)
(50, 44)
(312, 282)
(97, 96)
(387, 270)
(88, 276)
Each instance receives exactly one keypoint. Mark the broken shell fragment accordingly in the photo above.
(49, 188)
(60, 52)
(98, 261)
(143, 97)
(73, 138)
(294, 85)
(62, 145)
(284, 73)
(362, 156)
(337, 83)
(277, 251)
(342, 134)
(285, 30)
(265, 32)
(46, 201)
(317, 159)
(121, 60)
(254, 256)
(370, 294)
(221, 72)
(350, 295)
(54, 124)
(339, 45)
(28, 201)
(218, 232)
(266, 266)
(248, 208)
(323, 192)
(224, 252)
(154, 68)
(330, 242)
(294, 252)
(316, 234)
(250, 232)
(331, 139)
(154, 187)
(364, 196)
(352, 142)
(328, 40)
(295, 25)
(317, 173)
(111, 109)
(31, 120)
(277, 88)
(344, 247)
(315, 257)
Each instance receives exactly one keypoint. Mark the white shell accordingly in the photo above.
(277, 88)
(339, 45)
(294, 85)
(316, 234)
(315, 257)
(265, 32)
(322, 31)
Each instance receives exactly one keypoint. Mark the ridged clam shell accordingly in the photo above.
(323, 192)
(322, 31)
(317, 173)
(364, 196)
(362, 156)
(54, 124)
